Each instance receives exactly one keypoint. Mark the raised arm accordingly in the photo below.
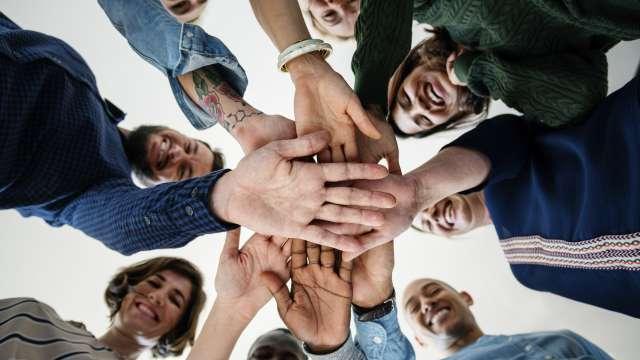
(323, 100)
(240, 293)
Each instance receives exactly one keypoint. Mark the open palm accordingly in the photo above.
(317, 310)
(238, 277)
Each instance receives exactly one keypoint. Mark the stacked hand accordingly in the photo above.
(238, 277)
(272, 193)
(324, 101)
(317, 309)
(372, 150)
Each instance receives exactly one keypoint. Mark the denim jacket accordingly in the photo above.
(174, 48)
(379, 339)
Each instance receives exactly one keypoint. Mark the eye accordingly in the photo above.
(435, 291)
(174, 300)
(424, 121)
(404, 99)
(154, 284)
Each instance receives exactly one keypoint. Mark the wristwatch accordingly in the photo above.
(376, 312)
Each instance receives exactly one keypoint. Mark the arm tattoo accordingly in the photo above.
(211, 90)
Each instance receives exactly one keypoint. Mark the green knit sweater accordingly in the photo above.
(545, 58)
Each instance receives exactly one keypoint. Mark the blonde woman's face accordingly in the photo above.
(336, 17)
(154, 306)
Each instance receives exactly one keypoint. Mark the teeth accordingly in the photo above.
(164, 145)
(147, 311)
(434, 97)
(438, 317)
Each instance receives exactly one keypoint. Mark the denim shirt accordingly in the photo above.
(549, 345)
(63, 157)
(175, 49)
(379, 339)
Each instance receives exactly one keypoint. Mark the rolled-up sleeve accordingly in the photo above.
(175, 49)
(128, 219)
(382, 338)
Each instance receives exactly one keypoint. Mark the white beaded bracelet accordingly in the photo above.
(301, 48)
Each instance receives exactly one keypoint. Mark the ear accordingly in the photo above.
(467, 298)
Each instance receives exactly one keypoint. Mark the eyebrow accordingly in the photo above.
(422, 288)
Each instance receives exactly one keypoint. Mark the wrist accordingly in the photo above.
(323, 349)
(305, 66)
(383, 292)
(236, 310)
(220, 197)
(246, 133)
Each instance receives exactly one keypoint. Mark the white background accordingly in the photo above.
(69, 271)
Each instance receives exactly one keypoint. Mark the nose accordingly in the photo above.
(426, 304)
(176, 153)
(156, 298)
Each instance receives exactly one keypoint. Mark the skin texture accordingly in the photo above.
(172, 156)
(372, 150)
(248, 125)
(371, 279)
(240, 292)
(440, 316)
(335, 17)
(184, 10)
(271, 193)
(323, 100)
(425, 99)
(317, 309)
(151, 309)
(454, 215)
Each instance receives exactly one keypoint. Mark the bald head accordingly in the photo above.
(277, 344)
(439, 315)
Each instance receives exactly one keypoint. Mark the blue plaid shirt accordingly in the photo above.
(63, 159)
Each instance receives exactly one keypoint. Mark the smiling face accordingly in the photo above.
(154, 306)
(184, 10)
(454, 215)
(335, 17)
(173, 156)
(425, 99)
(438, 315)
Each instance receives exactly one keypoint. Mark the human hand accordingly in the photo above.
(271, 193)
(237, 279)
(372, 151)
(397, 219)
(263, 129)
(371, 278)
(324, 101)
(317, 310)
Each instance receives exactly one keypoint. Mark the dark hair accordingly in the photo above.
(183, 334)
(432, 53)
(135, 147)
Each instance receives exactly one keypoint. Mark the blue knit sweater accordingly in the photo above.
(566, 202)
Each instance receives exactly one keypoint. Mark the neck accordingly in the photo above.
(125, 345)
(469, 338)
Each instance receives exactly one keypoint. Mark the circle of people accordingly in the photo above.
(323, 210)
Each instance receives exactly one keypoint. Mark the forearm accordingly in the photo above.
(281, 20)
(383, 34)
(451, 171)
(211, 93)
(220, 332)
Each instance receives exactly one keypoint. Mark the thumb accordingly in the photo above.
(361, 119)
(278, 289)
(393, 161)
(306, 145)
(232, 242)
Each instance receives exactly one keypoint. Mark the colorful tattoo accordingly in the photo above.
(211, 90)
